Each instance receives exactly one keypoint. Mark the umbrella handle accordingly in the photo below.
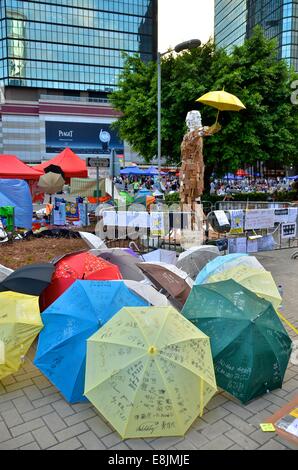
(217, 117)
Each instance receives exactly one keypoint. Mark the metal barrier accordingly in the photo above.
(234, 205)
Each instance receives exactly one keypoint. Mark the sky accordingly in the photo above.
(181, 20)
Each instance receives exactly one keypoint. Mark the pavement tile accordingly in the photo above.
(241, 439)
(272, 445)
(23, 404)
(111, 440)
(71, 431)
(79, 417)
(71, 444)
(90, 441)
(4, 432)
(42, 411)
(216, 429)
(17, 442)
(62, 408)
(29, 426)
(44, 437)
(240, 424)
(219, 443)
(12, 418)
(164, 443)
(54, 422)
(33, 393)
(98, 426)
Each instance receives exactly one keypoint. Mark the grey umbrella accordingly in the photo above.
(126, 263)
(193, 260)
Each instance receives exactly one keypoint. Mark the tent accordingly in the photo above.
(16, 193)
(13, 168)
(152, 171)
(132, 170)
(69, 162)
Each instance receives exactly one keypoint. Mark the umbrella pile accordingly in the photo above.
(147, 338)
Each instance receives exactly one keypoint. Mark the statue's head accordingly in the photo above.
(193, 120)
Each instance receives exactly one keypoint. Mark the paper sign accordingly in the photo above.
(157, 227)
(252, 246)
(237, 221)
(267, 427)
(293, 428)
(259, 218)
(237, 245)
(221, 218)
(288, 230)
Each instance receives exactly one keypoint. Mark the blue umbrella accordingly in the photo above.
(69, 322)
(214, 264)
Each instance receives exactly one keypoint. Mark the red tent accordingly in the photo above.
(72, 165)
(13, 168)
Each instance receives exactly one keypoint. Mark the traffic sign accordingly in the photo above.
(98, 162)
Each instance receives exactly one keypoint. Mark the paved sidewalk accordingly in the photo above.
(34, 415)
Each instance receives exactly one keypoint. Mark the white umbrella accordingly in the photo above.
(148, 293)
(51, 183)
(166, 256)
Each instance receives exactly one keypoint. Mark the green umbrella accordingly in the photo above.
(126, 197)
(249, 344)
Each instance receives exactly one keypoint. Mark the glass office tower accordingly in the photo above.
(235, 20)
(73, 44)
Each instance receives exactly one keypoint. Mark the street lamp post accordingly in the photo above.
(187, 45)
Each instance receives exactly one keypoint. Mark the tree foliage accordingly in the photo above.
(266, 130)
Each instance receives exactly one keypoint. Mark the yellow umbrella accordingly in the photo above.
(257, 280)
(149, 372)
(222, 101)
(20, 323)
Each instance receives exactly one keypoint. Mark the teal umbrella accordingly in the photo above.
(249, 344)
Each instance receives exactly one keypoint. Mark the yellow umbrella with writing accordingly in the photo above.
(20, 323)
(221, 100)
(149, 372)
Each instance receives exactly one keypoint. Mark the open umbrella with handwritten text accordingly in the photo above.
(249, 344)
(149, 372)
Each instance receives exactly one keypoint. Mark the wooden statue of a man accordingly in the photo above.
(192, 169)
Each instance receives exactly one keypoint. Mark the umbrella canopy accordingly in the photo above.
(76, 266)
(149, 372)
(241, 172)
(68, 322)
(93, 241)
(148, 293)
(55, 169)
(51, 183)
(126, 263)
(166, 276)
(4, 272)
(13, 168)
(166, 256)
(128, 198)
(222, 101)
(132, 170)
(70, 163)
(222, 263)
(250, 346)
(31, 279)
(20, 323)
(193, 260)
(258, 281)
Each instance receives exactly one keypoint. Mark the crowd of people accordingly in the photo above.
(220, 187)
(250, 185)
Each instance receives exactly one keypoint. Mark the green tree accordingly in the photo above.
(266, 130)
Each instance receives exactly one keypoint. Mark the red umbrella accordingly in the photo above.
(77, 266)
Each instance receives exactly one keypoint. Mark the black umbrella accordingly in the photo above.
(54, 169)
(31, 279)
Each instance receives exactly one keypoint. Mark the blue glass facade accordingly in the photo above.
(73, 44)
(235, 20)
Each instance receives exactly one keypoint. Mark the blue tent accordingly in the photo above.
(78, 313)
(132, 170)
(16, 193)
